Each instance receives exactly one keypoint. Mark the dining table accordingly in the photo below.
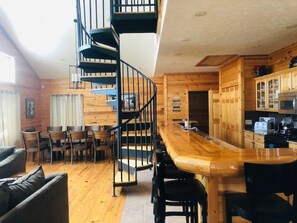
(218, 164)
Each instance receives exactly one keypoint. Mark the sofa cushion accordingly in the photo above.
(24, 186)
(6, 151)
(4, 198)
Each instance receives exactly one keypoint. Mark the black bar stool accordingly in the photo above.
(185, 193)
(260, 203)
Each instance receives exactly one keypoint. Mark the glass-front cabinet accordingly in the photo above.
(267, 90)
(261, 95)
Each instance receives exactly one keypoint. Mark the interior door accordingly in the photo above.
(198, 109)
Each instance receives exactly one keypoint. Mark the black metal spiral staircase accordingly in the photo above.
(129, 92)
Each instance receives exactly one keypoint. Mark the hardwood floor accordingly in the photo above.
(89, 191)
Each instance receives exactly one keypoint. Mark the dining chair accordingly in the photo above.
(90, 129)
(78, 142)
(101, 142)
(262, 201)
(54, 128)
(74, 128)
(33, 144)
(30, 129)
(58, 143)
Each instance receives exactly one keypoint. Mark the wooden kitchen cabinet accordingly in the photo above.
(248, 140)
(267, 90)
(253, 140)
(288, 80)
(259, 141)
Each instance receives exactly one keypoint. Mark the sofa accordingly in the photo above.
(36, 198)
(12, 161)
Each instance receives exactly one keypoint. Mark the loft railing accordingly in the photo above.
(137, 6)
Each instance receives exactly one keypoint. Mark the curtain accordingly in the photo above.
(66, 110)
(10, 118)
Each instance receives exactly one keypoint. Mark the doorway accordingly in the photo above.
(198, 109)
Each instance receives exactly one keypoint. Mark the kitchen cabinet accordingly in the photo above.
(292, 145)
(248, 140)
(267, 90)
(288, 80)
(253, 140)
(259, 141)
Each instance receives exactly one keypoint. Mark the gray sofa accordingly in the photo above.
(49, 204)
(12, 161)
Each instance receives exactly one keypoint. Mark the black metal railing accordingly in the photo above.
(136, 94)
(139, 131)
(137, 6)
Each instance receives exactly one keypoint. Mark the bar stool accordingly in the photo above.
(185, 193)
(170, 170)
(260, 203)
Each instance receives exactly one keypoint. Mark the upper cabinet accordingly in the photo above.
(288, 80)
(267, 90)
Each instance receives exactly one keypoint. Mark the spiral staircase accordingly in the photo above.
(130, 93)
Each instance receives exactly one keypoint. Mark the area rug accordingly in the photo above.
(138, 207)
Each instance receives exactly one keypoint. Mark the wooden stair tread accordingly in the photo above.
(138, 163)
(138, 134)
(139, 148)
(123, 178)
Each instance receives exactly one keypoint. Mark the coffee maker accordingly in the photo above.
(286, 128)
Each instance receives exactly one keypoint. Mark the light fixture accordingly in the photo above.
(74, 72)
(74, 78)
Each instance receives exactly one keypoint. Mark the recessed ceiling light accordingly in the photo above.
(200, 13)
(178, 54)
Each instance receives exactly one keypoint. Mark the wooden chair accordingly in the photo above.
(90, 129)
(185, 193)
(74, 128)
(101, 142)
(58, 143)
(33, 144)
(54, 128)
(260, 203)
(78, 142)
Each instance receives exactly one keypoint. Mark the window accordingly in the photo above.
(7, 64)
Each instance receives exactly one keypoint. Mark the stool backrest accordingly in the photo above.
(264, 179)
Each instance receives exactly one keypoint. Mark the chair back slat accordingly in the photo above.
(54, 128)
(74, 128)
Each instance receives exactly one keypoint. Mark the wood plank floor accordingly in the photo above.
(89, 191)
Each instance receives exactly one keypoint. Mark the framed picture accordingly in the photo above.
(30, 108)
(129, 102)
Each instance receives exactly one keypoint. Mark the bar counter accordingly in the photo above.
(215, 161)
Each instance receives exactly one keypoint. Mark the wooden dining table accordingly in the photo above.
(218, 164)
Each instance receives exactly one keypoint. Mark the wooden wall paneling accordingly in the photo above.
(160, 98)
(249, 64)
(178, 85)
(280, 59)
(27, 82)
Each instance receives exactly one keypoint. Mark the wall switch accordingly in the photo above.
(248, 122)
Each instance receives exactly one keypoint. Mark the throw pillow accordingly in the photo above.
(4, 198)
(6, 151)
(24, 186)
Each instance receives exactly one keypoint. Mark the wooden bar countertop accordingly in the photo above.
(216, 160)
(200, 154)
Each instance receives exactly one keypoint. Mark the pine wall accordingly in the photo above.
(172, 97)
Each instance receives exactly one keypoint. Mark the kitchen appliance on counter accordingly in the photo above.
(287, 103)
(265, 125)
(275, 141)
